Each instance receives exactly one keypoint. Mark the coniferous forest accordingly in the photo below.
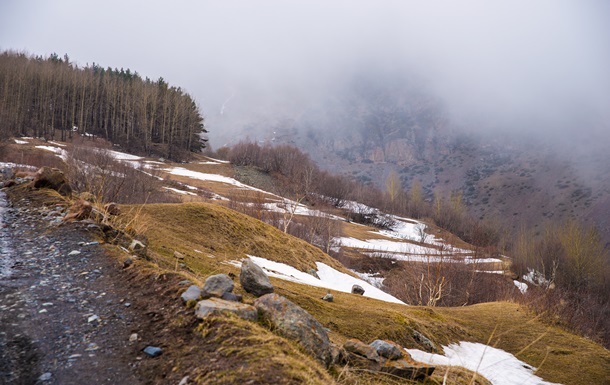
(54, 98)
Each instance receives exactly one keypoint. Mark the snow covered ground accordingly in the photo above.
(329, 278)
(498, 366)
(63, 154)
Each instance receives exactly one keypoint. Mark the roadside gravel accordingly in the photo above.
(63, 320)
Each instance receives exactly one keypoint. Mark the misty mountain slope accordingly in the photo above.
(511, 172)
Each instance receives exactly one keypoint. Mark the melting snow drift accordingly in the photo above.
(329, 278)
(498, 366)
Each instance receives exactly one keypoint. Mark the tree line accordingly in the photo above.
(53, 98)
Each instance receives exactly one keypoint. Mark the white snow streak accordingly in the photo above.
(329, 278)
(498, 366)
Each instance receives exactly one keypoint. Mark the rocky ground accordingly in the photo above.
(70, 313)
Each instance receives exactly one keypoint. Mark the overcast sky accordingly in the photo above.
(512, 57)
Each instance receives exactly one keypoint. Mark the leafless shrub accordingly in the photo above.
(109, 180)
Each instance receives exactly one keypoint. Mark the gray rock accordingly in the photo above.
(387, 349)
(291, 321)
(191, 294)
(216, 306)
(232, 297)
(404, 369)
(45, 377)
(422, 339)
(357, 289)
(217, 285)
(328, 298)
(313, 272)
(254, 280)
(153, 351)
(127, 262)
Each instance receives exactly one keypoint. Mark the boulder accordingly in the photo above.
(217, 285)
(360, 348)
(388, 349)
(231, 297)
(191, 294)
(53, 178)
(291, 321)
(422, 339)
(216, 306)
(405, 369)
(357, 289)
(253, 279)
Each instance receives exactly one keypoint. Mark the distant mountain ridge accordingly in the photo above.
(507, 175)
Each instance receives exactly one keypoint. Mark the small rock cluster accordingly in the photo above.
(291, 321)
(386, 357)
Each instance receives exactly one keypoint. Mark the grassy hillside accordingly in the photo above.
(220, 234)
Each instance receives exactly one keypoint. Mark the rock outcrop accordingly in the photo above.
(291, 321)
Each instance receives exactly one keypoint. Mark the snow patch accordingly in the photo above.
(182, 192)
(59, 151)
(329, 278)
(498, 366)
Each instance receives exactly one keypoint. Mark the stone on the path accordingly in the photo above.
(127, 262)
(216, 306)
(153, 351)
(387, 349)
(253, 279)
(191, 294)
(328, 298)
(217, 285)
(403, 368)
(291, 321)
(45, 377)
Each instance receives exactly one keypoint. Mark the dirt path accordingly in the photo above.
(62, 318)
